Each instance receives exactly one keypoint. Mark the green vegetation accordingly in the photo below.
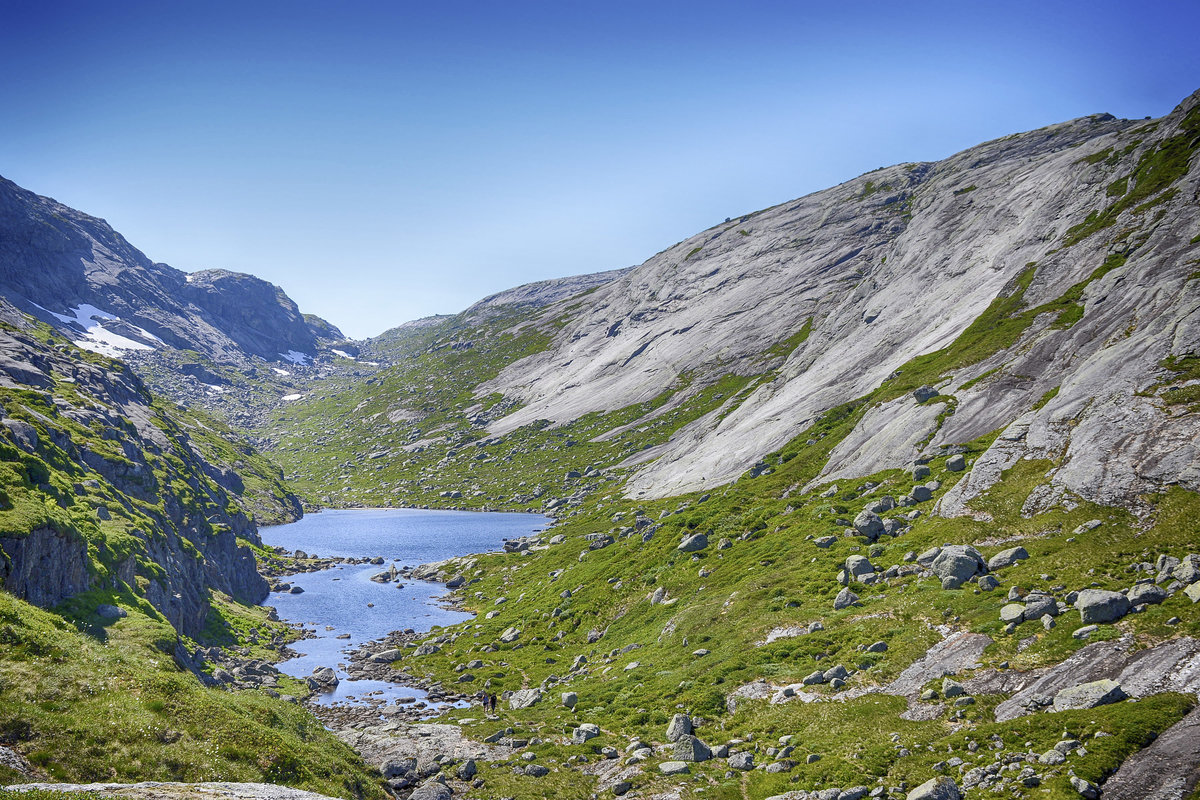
(111, 705)
(965, 190)
(1156, 170)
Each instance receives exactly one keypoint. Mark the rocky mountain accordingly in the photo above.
(75, 273)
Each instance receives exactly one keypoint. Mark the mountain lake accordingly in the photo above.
(335, 601)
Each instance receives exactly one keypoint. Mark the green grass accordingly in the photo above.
(1155, 171)
(115, 708)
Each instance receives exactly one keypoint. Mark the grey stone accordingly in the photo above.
(525, 698)
(845, 598)
(1100, 606)
(939, 788)
(1146, 593)
(679, 726)
(584, 732)
(868, 524)
(689, 748)
(691, 544)
(569, 699)
(1013, 612)
(1089, 695)
(674, 768)
(956, 463)
(1006, 558)
(111, 612)
(957, 564)
(743, 761)
(431, 790)
(536, 771)
(858, 565)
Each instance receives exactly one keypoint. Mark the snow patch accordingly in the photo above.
(215, 389)
(99, 339)
(279, 371)
(343, 354)
(296, 357)
(292, 397)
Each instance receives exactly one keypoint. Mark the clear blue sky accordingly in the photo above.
(384, 161)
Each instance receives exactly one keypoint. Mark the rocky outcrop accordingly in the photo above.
(1168, 769)
(173, 791)
(44, 567)
(132, 469)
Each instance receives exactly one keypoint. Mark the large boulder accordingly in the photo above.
(956, 564)
(1101, 606)
(689, 748)
(693, 543)
(1146, 594)
(940, 788)
(1089, 695)
(679, 726)
(845, 598)
(742, 761)
(1006, 558)
(525, 698)
(858, 565)
(868, 524)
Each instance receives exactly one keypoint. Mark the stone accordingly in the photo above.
(877, 647)
(426, 650)
(534, 771)
(509, 635)
(584, 732)
(525, 698)
(1013, 612)
(924, 393)
(466, 770)
(988, 583)
(1146, 594)
(673, 768)
(569, 699)
(858, 565)
(1051, 758)
(957, 564)
(921, 494)
(1089, 695)
(1006, 558)
(107, 611)
(952, 688)
(743, 761)
(1039, 605)
(868, 524)
(679, 726)
(1085, 788)
(940, 788)
(431, 790)
(1084, 632)
(845, 598)
(956, 463)
(1193, 592)
(689, 748)
(1101, 606)
(323, 679)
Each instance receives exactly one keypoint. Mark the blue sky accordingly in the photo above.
(387, 161)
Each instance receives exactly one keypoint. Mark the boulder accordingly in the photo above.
(858, 565)
(1013, 612)
(691, 544)
(431, 790)
(1006, 558)
(940, 788)
(584, 732)
(1039, 605)
(679, 726)
(674, 768)
(955, 463)
(956, 564)
(1146, 594)
(689, 748)
(534, 771)
(111, 612)
(742, 761)
(525, 698)
(845, 598)
(323, 679)
(1089, 695)
(569, 699)
(509, 635)
(868, 524)
(1101, 606)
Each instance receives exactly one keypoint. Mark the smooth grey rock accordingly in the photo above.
(1013, 612)
(569, 699)
(689, 748)
(845, 598)
(743, 761)
(674, 768)
(1089, 695)
(691, 544)
(957, 564)
(939, 788)
(956, 463)
(858, 565)
(1006, 558)
(1146, 594)
(1101, 606)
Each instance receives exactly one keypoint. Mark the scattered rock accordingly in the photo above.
(1089, 695)
(939, 788)
(845, 598)
(1006, 558)
(1100, 606)
(525, 698)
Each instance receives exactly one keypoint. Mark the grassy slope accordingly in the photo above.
(88, 702)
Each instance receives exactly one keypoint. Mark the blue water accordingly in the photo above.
(338, 598)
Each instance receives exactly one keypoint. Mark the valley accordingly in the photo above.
(888, 491)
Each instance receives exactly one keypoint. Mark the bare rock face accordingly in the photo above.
(896, 264)
(44, 567)
(1168, 769)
